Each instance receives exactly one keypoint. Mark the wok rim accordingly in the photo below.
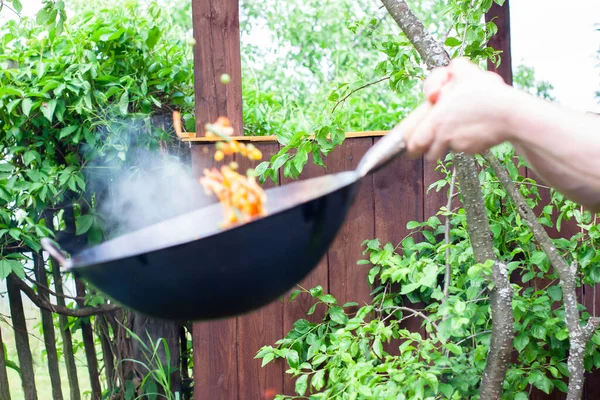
(72, 265)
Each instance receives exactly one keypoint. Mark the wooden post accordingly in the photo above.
(48, 327)
(4, 388)
(500, 15)
(21, 338)
(217, 52)
(65, 331)
(88, 345)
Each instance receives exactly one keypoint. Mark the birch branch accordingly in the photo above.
(434, 55)
(578, 335)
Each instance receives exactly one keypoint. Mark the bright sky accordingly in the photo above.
(558, 39)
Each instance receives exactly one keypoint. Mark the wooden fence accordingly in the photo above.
(224, 364)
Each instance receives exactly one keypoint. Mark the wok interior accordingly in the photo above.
(205, 221)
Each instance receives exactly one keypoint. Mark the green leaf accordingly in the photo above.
(452, 42)
(153, 36)
(337, 314)
(521, 341)
(124, 102)
(412, 225)
(521, 396)
(555, 293)
(279, 161)
(43, 16)
(327, 298)
(409, 288)
(538, 331)
(267, 359)
(294, 294)
(316, 291)
(17, 268)
(84, 223)
(66, 131)
(5, 269)
(447, 390)
(292, 358)
(29, 156)
(377, 347)
(562, 334)
(318, 379)
(26, 106)
(538, 257)
(48, 109)
(542, 382)
(453, 348)
(17, 5)
(301, 385)
(560, 385)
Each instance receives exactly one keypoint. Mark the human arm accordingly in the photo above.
(474, 110)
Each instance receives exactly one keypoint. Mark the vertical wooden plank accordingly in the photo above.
(88, 345)
(4, 388)
(260, 328)
(297, 309)
(501, 40)
(215, 360)
(217, 51)
(48, 327)
(215, 342)
(21, 338)
(432, 200)
(348, 281)
(398, 194)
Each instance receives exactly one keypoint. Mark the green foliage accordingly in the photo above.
(524, 79)
(360, 65)
(74, 101)
(369, 354)
(156, 382)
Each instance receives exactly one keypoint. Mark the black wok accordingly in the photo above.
(188, 268)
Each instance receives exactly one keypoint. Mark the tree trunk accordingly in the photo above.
(107, 353)
(4, 388)
(152, 330)
(65, 331)
(501, 295)
(48, 328)
(579, 335)
(434, 55)
(88, 344)
(21, 338)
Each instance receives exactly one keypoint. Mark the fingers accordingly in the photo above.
(412, 121)
(435, 82)
(423, 134)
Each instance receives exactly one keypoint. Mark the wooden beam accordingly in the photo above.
(500, 15)
(273, 138)
(217, 52)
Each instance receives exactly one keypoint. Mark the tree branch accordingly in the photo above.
(50, 291)
(77, 312)
(411, 310)
(343, 99)
(578, 335)
(448, 274)
(434, 55)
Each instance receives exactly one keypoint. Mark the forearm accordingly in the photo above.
(561, 146)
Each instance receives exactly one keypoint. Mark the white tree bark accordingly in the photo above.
(434, 55)
(578, 335)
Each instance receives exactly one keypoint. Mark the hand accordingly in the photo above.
(470, 112)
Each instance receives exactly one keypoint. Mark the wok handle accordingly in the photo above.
(393, 144)
(383, 152)
(55, 252)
